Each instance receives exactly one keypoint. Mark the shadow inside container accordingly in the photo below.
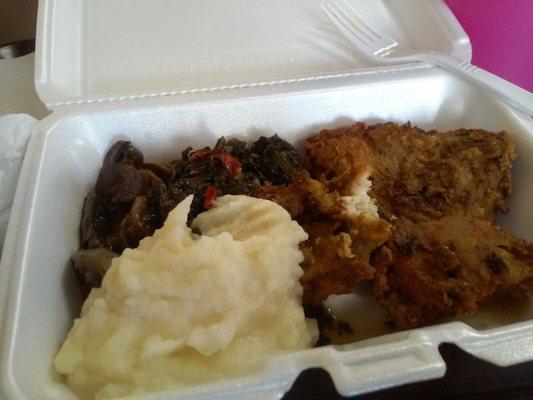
(73, 291)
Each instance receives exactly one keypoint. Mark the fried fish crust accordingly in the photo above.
(433, 247)
(420, 175)
(337, 253)
(442, 193)
(446, 267)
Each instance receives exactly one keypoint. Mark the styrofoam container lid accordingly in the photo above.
(100, 50)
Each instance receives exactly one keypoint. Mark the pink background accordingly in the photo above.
(501, 33)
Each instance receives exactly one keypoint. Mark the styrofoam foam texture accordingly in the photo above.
(41, 297)
(93, 50)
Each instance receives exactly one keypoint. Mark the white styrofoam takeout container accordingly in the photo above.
(168, 74)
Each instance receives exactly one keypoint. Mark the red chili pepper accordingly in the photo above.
(210, 196)
(232, 165)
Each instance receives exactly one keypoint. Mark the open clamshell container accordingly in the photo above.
(169, 74)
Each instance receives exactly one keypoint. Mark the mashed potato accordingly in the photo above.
(183, 309)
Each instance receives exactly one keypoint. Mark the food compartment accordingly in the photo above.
(67, 155)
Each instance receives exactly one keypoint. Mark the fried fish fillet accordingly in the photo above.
(415, 211)
(420, 175)
(446, 267)
(343, 233)
(442, 194)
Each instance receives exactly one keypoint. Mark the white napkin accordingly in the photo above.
(15, 131)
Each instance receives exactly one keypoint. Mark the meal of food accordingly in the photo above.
(199, 268)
